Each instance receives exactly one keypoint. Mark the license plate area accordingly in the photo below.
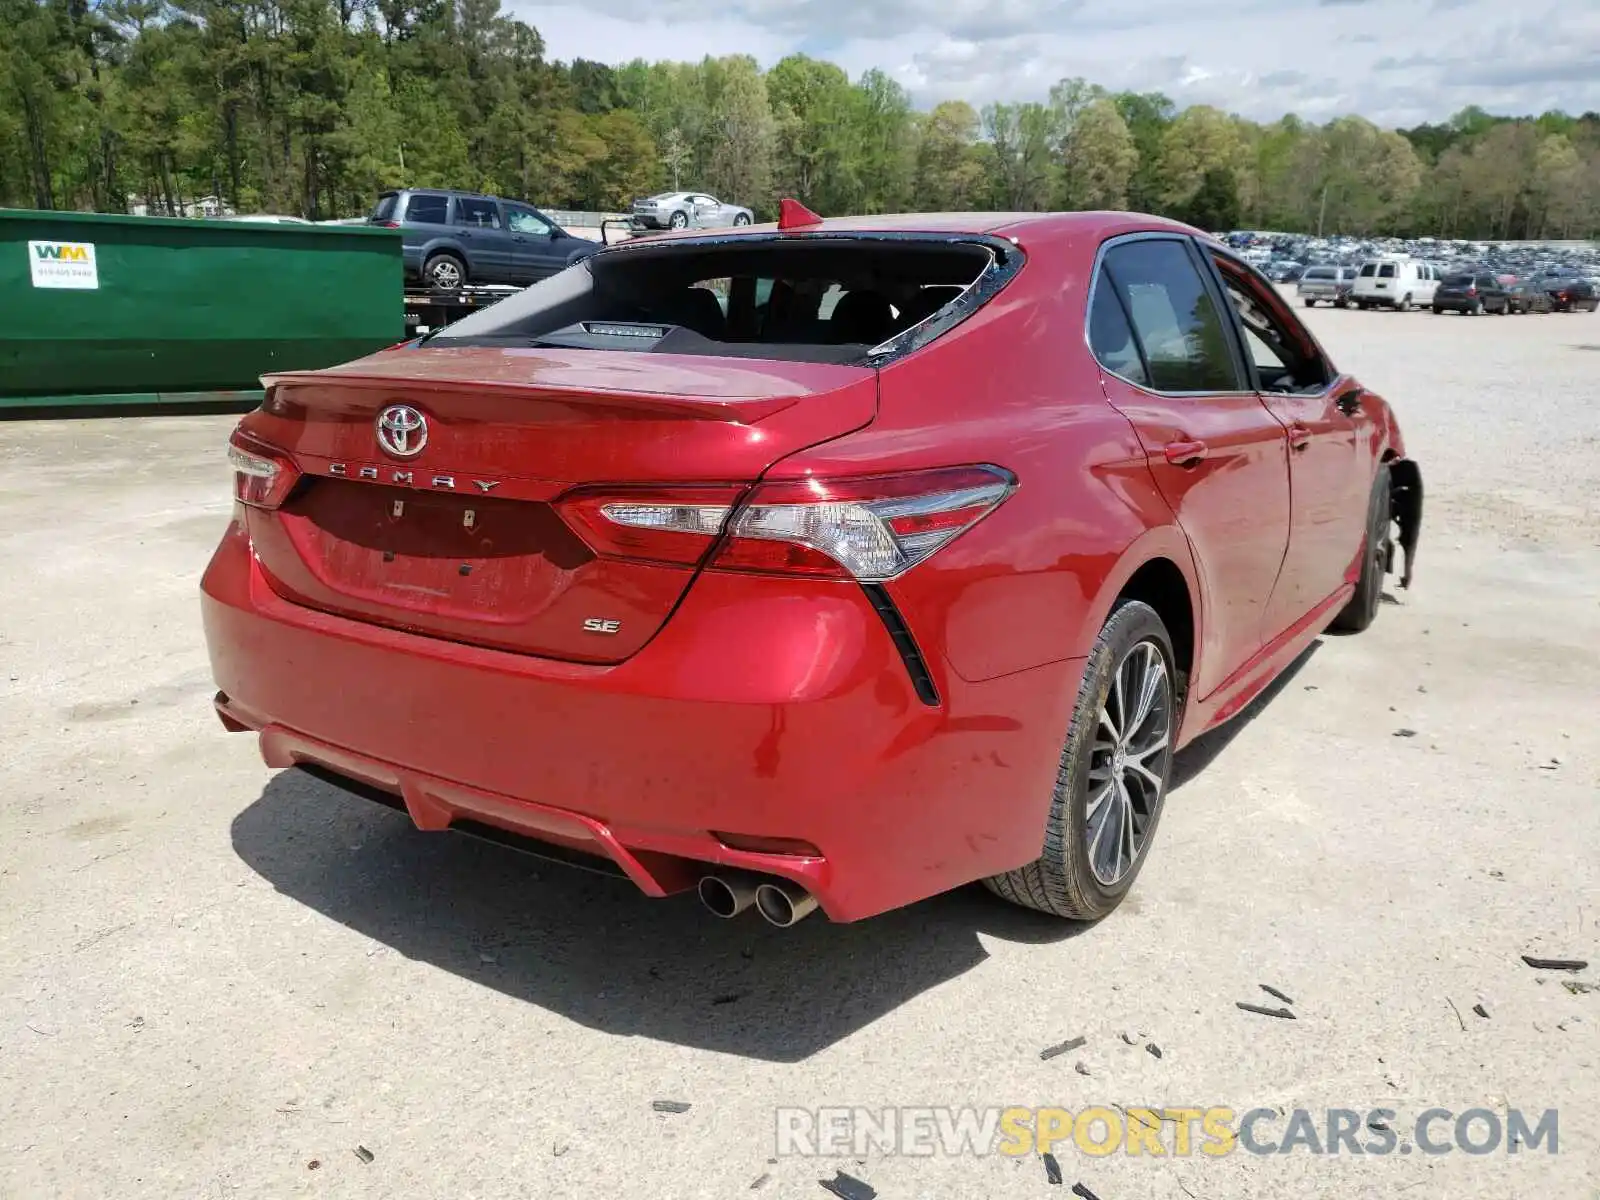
(478, 557)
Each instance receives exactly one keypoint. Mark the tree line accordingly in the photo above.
(312, 107)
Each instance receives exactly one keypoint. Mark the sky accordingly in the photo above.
(1396, 62)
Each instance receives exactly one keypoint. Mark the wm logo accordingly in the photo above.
(60, 252)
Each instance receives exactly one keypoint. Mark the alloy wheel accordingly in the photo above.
(445, 274)
(1128, 762)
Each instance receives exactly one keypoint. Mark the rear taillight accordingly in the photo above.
(867, 528)
(1472, 290)
(263, 476)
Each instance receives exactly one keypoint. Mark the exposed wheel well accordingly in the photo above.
(1161, 585)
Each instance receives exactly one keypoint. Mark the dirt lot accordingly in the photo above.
(218, 983)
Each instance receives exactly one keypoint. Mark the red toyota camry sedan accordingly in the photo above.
(830, 564)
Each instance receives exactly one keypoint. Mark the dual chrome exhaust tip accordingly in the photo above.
(782, 903)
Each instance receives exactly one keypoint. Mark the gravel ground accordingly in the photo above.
(215, 982)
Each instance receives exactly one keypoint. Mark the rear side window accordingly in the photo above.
(1178, 327)
(477, 213)
(1111, 338)
(1368, 270)
(383, 210)
(1386, 271)
(427, 210)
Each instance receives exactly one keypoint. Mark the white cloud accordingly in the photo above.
(1398, 62)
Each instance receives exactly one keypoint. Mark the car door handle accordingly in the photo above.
(1349, 401)
(1185, 453)
(1299, 436)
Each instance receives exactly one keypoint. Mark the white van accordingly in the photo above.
(1399, 283)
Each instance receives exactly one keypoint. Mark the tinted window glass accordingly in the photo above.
(383, 210)
(1458, 281)
(480, 214)
(1178, 326)
(1112, 339)
(1386, 271)
(426, 210)
(1369, 270)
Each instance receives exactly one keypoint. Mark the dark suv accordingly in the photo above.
(1480, 292)
(451, 238)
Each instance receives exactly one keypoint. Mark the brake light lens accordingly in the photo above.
(263, 476)
(871, 528)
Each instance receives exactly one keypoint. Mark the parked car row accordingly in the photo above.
(1404, 284)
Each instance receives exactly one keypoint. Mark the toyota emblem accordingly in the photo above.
(402, 431)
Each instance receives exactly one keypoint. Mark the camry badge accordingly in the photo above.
(402, 431)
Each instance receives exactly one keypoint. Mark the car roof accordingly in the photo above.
(1002, 224)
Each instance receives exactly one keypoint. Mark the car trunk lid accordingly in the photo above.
(458, 534)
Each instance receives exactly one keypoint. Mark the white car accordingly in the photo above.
(1398, 283)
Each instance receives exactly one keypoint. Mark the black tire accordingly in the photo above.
(741, 219)
(1341, 304)
(1062, 881)
(1362, 610)
(679, 220)
(1476, 310)
(1311, 303)
(445, 272)
(1404, 305)
(1437, 311)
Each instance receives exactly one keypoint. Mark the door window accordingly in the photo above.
(1111, 338)
(1284, 358)
(477, 213)
(1177, 327)
(427, 210)
(1386, 271)
(525, 220)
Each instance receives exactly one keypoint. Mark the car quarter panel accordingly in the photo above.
(1014, 386)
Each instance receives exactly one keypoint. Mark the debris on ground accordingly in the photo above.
(1050, 1052)
(1457, 1012)
(761, 1181)
(1080, 1068)
(558, 1149)
(314, 1165)
(1377, 1124)
(670, 1106)
(1154, 1049)
(1481, 1011)
(1274, 992)
(1052, 1169)
(1130, 1039)
(729, 998)
(1555, 964)
(1282, 1014)
(1578, 988)
(1083, 1193)
(848, 1187)
(1405, 733)
(364, 1154)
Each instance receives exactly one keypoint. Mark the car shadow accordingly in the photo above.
(1203, 751)
(590, 948)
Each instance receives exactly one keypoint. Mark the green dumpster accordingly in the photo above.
(99, 309)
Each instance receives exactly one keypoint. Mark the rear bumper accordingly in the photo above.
(764, 709)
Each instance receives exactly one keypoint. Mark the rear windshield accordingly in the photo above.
(800, 300)
(1320, 273)
(383, 210)
(1458, 280)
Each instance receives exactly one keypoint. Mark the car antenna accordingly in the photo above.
(794, 215)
